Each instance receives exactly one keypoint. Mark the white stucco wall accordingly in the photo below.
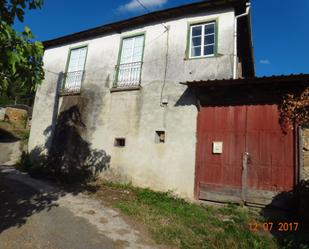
(136, 115)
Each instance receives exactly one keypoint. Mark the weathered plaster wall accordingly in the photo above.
(305, 137)
(136, 115)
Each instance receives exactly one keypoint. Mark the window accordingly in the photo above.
(202, 40)
(130, 64)
(75, 70)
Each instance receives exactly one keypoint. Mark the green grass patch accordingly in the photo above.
(175, 222)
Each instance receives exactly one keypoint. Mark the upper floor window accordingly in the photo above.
(130, 63)
(75, 70)
(202, 40)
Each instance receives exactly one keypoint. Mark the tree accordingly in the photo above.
(21, 65)
(294, 109)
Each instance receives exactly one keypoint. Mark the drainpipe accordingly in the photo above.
(235, 39)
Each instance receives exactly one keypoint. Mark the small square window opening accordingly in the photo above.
(120, 142)
(160, 137)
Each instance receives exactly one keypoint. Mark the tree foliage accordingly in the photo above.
(294, 109)
(21, 65)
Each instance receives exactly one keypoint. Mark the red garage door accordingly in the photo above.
(256, 161)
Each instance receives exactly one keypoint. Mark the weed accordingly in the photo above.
(24, 163)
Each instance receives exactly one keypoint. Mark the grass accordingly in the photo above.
(179, 224)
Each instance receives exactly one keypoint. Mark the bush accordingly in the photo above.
(24, 163)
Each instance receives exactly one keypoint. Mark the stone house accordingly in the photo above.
(112, 95)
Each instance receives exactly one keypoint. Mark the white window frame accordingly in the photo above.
(69, 84)
(118, 82)
(203, 39)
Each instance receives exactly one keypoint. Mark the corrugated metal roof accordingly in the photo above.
(150, 17)
(292, 78)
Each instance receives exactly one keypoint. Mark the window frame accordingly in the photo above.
(189, 39)
(115, 84)
(68, 62)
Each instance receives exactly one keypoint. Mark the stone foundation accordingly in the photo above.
(305, 138)
(16, 116)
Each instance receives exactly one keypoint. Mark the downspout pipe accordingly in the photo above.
(235, 39)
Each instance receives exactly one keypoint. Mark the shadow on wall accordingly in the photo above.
(187, 99)
(294, 208)
(70, 157)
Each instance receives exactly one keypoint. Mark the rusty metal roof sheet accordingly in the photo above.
(292, 78)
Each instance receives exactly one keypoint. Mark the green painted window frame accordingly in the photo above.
(122, 38)
(68, 61)
(188, 45)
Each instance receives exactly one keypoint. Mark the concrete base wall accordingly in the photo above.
(136, 116)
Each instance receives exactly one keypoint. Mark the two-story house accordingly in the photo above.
(112, 96)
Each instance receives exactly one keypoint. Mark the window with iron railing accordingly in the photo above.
(73, 81)
(75, 71)
(129, 69)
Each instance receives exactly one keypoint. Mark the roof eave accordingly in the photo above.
(281, 79)
(146, 18)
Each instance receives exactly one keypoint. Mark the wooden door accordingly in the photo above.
(257, 159)
(219, 176)
(270, 166)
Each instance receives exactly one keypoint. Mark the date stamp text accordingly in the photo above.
(271, 226)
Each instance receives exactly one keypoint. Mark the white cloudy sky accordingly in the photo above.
(134, 5)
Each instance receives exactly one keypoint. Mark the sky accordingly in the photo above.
(280, 27)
